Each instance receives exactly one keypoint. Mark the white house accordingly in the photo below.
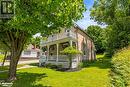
(68, 37)
(31, 52)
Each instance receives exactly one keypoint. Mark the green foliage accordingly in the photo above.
(106, 11)
(116, 38)
(1, 57)
(35, 41)
(52, 66)
(39, 16)
(36, 16)
(96, 33)
(45, 16)
(120, 72)
(116, 14)
(70, 51)
(83, 64)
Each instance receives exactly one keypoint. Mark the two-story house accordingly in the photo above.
(76, 37)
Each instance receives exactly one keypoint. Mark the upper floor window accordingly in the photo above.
(6, 7)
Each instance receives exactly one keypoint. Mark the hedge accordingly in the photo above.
(120, 71)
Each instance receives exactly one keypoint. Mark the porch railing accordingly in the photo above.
(52, 58)
(61, 58)
(59, 36)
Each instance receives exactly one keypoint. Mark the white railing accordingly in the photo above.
(59, 36)
(61, 58)
(52, 58)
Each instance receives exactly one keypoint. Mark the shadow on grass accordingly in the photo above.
(3, 75)
(29, 80)
(101, 62)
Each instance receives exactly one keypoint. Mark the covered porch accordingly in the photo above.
(53, 52)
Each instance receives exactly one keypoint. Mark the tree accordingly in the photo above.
(110, 11)
(34, 16)
(70, 52)
(116, 14)
(96, 33)
(35, 41)
(115, 39)
(4, 47)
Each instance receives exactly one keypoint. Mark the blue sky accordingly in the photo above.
(85, 21)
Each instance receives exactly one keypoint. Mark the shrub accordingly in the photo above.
(70, 52)
(120, 72)
(84, 64)
(53, 66)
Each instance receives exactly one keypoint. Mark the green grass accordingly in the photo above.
(94, 75)
(2, 68)
(1, 57)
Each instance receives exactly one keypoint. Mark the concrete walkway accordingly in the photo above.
(22, 62)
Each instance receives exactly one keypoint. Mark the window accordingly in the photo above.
(6, 7)
(27, 52)
(84, 49)
(64, 45)
(67, 30)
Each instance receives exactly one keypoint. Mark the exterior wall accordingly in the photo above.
(84, 39)
(33, 54)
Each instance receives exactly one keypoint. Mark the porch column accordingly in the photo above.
(57, 51)
(47, 52)
(71, 43)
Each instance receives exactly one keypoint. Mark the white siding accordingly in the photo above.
(33, 54)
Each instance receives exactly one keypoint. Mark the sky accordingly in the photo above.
(86, 21)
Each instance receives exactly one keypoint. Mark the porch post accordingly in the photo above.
(47, 52)
(57, 51)
(71, 43)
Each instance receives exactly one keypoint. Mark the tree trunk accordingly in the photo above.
(17, 44)
(15, 55)
(4, 58)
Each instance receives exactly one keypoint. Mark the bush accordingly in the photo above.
(52, 66)
(85, 64)
(120, 72)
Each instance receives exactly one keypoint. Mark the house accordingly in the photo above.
(31, 52)
(76, 37)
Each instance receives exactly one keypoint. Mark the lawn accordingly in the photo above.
(1, 57)
(94, 75)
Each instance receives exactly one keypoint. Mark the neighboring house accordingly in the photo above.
(31, 52)
(76, 37)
